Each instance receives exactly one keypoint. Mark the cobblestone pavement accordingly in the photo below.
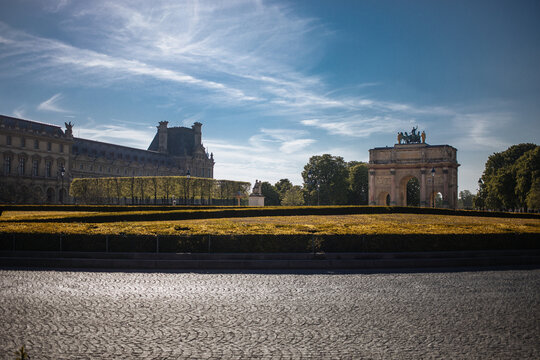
(92, 315)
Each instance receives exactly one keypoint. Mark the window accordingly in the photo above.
(62, 148)
(81, 167)
(22, 165)
(35, 167)
(48, 168)
(7, 164)
(36, 144)
(49, 146)
(8, 140)
(100, 168)
(23, 142)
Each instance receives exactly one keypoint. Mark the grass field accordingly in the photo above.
(21, 222)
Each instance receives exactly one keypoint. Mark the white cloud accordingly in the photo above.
(51, 104)
(358, 126)
(269, 155)
(480, 131)
(116, 134)
(19, 112)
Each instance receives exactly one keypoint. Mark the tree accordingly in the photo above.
(527, 172)
(271, 196)
(508, 177)
(293, 197)
(358, 183)
(325, 178)
(465, 200)
(533, 197)
(282, 186)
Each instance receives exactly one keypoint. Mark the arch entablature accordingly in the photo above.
(391, 168)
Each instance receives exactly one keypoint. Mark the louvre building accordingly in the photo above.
(40, 160)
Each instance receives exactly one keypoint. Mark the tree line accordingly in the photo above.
(510, 182)
(328, 180)
(158, 190)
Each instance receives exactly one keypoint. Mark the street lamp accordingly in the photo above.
(188, 175)
(433, 185)
(62, 174)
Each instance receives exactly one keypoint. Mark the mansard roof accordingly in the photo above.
(35, 126)
(94, 148)
(180, 141)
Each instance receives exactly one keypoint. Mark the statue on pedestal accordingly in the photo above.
(414, 138)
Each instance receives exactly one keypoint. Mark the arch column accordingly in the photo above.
(445, 187)
(372, 195)
(423, 190)
(393, 188)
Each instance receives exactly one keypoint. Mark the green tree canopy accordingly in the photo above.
(282, 186)
(327, 174)
(413, 192)
(271, 196)
(358, 183)
(465, 200)
(508, 178)
(293, 197)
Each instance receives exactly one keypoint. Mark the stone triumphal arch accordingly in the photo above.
(434, 166)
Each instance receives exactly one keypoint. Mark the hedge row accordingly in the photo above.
(228, 212)
(106, 208)
(266, 243)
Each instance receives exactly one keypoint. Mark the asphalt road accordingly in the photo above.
(444, 315)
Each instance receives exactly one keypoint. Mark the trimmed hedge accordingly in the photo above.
(106, 208)
(267, 243)
(228, 212)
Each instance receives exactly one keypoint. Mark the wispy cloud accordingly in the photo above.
(125, 135)
(270, 154)
(19, 112)
(51, 104)
(481, 131)
(359, 126)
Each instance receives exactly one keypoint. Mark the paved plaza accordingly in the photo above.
(106, 315)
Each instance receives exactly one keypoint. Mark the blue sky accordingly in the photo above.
(275, 82)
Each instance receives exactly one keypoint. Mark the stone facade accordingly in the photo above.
(33, 155)
(390, 168)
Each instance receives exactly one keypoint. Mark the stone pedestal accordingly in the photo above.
(256, 200)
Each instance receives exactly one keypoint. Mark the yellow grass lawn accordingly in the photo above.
(324, 224)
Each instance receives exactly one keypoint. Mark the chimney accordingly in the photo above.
(162, 136)
(197, 134)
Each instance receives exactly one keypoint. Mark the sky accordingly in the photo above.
(276, 82)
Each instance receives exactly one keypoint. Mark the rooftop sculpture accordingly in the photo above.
(413, 138)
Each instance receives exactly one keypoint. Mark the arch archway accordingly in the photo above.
(50, 195)
(383, 199)
(38, 195)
